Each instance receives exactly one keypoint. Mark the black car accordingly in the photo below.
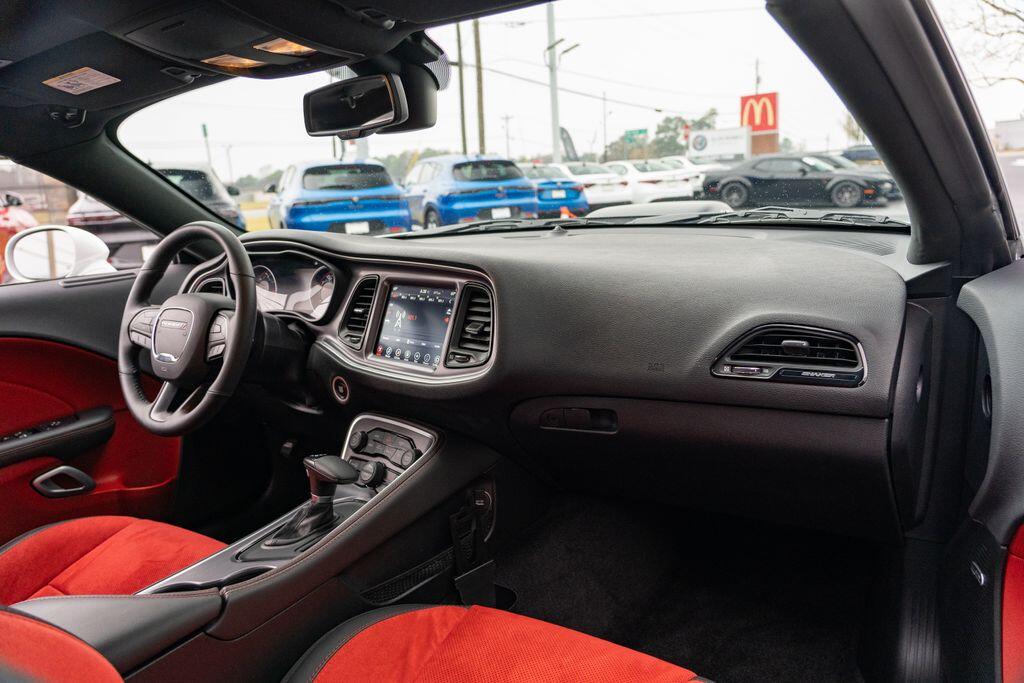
(789, 179)
(873, 170)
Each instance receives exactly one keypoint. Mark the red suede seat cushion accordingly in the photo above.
(449, 644)
(32, 650)
(97, 556)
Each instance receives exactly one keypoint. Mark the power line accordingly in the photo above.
(605, 79)
(616, 17)
(580, 93)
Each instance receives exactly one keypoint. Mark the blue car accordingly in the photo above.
(357, 198)
(555, 192)
(460, 189)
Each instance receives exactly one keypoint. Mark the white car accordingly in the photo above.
(651, 180)
(601, 187)
(697, 171)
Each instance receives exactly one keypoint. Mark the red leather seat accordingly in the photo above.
(33, 651)
(396, 644)
(459, 644)
(96, 556)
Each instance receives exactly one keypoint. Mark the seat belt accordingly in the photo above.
(474, 568)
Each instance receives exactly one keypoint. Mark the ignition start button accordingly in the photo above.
(339, 387)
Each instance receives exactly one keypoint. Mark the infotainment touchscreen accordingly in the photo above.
(415, 323)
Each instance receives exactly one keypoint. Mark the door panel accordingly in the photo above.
(58, 344)
(134, 471)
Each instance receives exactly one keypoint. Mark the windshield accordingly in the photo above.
(203, 185)
(486, 170)
(818, 165)
(649, 102)
(542, 172)
(587, 169)
(650, 166)
(354, 177)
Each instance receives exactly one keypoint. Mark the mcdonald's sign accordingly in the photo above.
(760, 112)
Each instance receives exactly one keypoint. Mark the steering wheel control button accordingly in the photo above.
(372, 474)
(216, 351)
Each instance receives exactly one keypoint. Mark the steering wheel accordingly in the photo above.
(198, 343)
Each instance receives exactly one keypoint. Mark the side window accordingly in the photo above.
(617, 168)
(414, 175)
(286, 179)
(429, 172)
(29, 199)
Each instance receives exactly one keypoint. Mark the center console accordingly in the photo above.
(380, 449)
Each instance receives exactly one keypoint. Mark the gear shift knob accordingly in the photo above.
(325, 472)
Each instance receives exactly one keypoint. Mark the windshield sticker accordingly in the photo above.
(81, 81)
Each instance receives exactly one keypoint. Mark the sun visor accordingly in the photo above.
(96, 71)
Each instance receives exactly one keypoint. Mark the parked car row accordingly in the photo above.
(362, 198)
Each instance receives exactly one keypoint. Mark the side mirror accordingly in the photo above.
(233, 191)
(55, 251)
(355, 108)
(271, 188)
(12, 199)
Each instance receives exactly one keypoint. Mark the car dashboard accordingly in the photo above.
(770, 373)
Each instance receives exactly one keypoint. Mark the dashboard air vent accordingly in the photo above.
(789, 353)
(357, 315)
(213, 285)
(471, 345)
(805, 348)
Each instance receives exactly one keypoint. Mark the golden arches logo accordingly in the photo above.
(760, 112)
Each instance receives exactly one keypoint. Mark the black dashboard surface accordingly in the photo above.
(644, 313)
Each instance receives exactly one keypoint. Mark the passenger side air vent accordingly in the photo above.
(471, 344)
(357, 315)
(788, 353)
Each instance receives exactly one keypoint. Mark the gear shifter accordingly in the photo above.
(325, 472)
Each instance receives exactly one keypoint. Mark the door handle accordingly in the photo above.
(63, 481)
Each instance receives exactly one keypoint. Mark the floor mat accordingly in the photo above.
(730, 600)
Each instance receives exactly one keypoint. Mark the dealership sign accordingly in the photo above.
(723, 143)
(760, 113)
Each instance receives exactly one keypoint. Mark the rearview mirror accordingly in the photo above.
(355, 108)
(55, 251)
(233, 191)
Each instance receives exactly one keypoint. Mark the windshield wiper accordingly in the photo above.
(781, 216)
(500, 225)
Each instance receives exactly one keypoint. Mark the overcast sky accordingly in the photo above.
(681, 58)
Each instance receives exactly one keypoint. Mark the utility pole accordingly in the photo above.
(604, 126)
(556, 128)
(757, 76)
(231, 167)
(462, 85)
(479, 87)
(206, 143)
(508, 146)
